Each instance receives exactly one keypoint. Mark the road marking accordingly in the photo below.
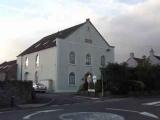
(5, 112)
(90, 116)
(114, 100)
(141, 113)
(66, 104)
(55, 105)
(152, 103)
(157, 105)
(110, 100)
(38, 112)
(92, 98)
(149, 115)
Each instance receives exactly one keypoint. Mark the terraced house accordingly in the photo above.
(62, 60)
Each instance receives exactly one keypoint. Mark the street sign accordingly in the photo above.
(89, 79)
(94, 79)
(91, 90)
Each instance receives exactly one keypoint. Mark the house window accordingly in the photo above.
(36, 77)
(72, 78)
(37, 61)
(103, 60)
(88, 59)
(72, 57)
(26, 62)
(88, 41)
(26, 76)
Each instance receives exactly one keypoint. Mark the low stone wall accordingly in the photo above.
(21, 91)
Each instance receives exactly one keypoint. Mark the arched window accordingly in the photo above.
(72, 57)
(36, 77)
(26, 62)
(88, 59)
(37, 60)
(103, 60)
(72, 78)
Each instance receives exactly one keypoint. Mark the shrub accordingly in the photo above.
(98, 86)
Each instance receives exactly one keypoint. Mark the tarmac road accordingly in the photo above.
(109, 109)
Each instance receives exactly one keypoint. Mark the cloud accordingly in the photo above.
(33, 22)
(136, 31)
(129, 25)
(130, 1)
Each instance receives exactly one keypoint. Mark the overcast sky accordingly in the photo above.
(129, 25)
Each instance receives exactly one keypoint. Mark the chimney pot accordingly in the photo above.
(87, 19)
(132, 55)
(151, 52)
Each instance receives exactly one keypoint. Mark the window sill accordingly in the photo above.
(72, 64)
(88, 65)
(72, 85)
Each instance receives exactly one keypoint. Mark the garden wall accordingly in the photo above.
(20, 90)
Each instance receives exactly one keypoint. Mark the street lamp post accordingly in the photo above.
(94, 81)
(102, 82)
(89, 80)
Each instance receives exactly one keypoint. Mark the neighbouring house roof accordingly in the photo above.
(158, 57)
(49, 41)
(6, 66)
(139, 60)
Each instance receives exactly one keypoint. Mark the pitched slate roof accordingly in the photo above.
(139, 60)
(6, 66)
(49, 41)
(158, 57)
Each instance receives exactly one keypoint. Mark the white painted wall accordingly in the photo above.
(47, 69)
(152, 59)
(131, 62)
(76, 42)
(54, 62)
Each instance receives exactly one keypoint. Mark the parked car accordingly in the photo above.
(38, 87)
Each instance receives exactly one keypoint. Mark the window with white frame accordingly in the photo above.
(72, 78)
(103, 60)
(88, 59)
(26, 62)
(37, 60)
(72, 57)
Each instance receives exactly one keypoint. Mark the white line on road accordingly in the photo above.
(55, 105)
(90, 116)
(141, 113)
(92, 98)
(109, 100)
(157, 105)
(6, 112)
(152, 103)
(38, 112)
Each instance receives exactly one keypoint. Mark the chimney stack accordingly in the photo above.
(87, 20)
(132, 55)
(151, 52)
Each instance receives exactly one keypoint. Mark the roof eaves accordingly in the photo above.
(101, 36)
(61, 34)
(158, 57)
